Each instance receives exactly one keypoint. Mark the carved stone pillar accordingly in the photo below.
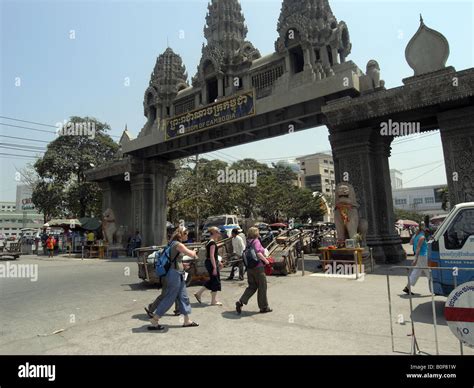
(361, 158)
(142, 201)
(457, 134)
(162, 174)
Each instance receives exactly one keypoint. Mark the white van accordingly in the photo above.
(453, 246)
(226, 221)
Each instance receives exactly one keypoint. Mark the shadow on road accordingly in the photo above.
(233, 314)
(142, 286)
(423, 313)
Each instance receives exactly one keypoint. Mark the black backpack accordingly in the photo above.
(250, 257)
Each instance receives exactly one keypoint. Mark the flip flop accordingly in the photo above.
(192, 324)
(148, 312)
(197, 298)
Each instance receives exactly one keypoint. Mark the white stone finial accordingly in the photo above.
(427, 51)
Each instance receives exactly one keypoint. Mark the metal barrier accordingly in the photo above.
(414, 344)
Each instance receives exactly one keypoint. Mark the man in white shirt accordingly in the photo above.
(238, 246)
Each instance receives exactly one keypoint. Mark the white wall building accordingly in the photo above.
(426, 199)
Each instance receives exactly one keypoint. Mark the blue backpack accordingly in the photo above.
(250, 257)
(162, 260)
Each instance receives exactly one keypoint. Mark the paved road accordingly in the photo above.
(96, 307)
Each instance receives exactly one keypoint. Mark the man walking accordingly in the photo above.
(238, 246)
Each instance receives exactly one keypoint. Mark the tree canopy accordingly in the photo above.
(61, 188)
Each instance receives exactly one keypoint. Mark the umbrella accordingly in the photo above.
(65, 223)
(88, 223)
(407, 223)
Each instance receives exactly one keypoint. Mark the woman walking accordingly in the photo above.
(420, 248)
(175, 282)
(213, 268)
(257, 280)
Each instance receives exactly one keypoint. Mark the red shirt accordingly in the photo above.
(50, 242)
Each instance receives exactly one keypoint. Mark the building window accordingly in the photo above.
(326, 171)
(331, 162)
(328, 191)
(332, 172)
(417, 201)
(325, 162)
(429, 200)
(400, 201)
(326, 180)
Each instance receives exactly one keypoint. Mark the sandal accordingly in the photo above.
(198, 298)
(176, 313)
(216, 304)
(267, 310)
(192, 324)
(148, 312)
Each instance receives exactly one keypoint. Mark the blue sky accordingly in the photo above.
(119, 40)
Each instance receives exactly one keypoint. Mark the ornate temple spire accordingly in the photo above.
(314, 24)
(225, 25)
(225, 32)
(169, 75)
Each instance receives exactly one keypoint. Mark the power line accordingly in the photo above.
(427, 172)
(419, 149)
(423, 165)
(27, 146)
(2, 154)
(30, 129)
(34, 129)
(21, 138)
(29, 122)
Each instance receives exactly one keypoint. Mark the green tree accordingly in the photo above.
(83, 145)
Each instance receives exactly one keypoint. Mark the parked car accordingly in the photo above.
(227, 221)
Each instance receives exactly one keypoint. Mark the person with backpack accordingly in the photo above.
(255, 261)
(213, 267)
(170, 265)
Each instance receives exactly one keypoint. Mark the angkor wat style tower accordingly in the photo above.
(168, 78)
(309, 31)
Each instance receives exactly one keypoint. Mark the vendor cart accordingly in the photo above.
(287, 249)
(195, 268)
(13, 250)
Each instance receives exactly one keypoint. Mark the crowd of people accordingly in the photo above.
(174, 291)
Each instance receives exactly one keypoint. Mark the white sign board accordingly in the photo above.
(459, 313)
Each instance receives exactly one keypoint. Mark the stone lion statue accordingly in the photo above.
(109, 226)
(346, 214)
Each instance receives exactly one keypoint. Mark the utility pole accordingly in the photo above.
(197, 198)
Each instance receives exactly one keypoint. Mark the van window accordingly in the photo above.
(460, 230)
(230, 221)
